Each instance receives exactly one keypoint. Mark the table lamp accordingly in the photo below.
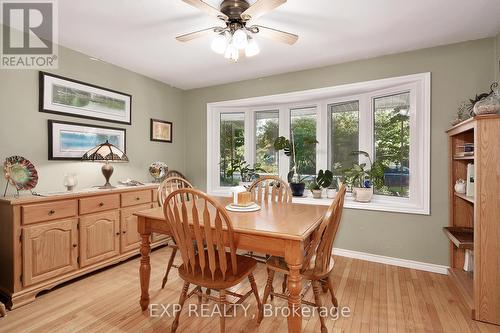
(105, 152)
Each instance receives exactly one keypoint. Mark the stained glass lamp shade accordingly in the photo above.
(105, 152)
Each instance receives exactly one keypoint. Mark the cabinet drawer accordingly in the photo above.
(99, 204)
(48, 211)
(136, 198)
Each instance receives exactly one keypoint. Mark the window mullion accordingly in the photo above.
(366, 125)
(284, 130)
(250, 137)
(321, 137)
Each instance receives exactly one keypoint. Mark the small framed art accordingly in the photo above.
(161, 130)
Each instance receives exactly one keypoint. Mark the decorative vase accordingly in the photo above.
(297, 189)
(316, 194)
(331, 193)
(362, 194)
(488, 105)
(460, 186)
(70, 181)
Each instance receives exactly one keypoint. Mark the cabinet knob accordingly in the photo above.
(101, 204)
(118, 233)
(74, 245)
(137, 198)
(124, 231)
(52, 212)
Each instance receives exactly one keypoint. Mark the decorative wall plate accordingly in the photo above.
(158, 170)
(20, 172)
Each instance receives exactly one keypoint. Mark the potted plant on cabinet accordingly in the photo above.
(363, 178)
(296, 181)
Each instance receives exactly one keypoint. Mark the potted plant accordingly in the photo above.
(296, 181)
(247, 173)
(361, 178)
(322, 180)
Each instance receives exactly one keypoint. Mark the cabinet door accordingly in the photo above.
(130, 238)
(99, 237)
(49, 249)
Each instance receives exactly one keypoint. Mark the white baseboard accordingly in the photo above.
(422, 266)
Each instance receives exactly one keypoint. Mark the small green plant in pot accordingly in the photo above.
(322, 180)
(296, 181)
(362, 178)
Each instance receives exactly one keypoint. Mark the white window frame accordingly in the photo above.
(419, 87)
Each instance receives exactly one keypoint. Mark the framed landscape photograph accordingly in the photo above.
(70, 97)
(161, 130)
(69, 141)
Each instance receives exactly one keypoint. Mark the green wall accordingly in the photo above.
(497, 58)
(458, 72)
(23, 130)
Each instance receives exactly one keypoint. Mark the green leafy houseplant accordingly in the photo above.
(362, 177)
(288, 146)
(247, 173)
(321, 181)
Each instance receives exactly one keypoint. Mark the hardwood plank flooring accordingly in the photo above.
(381, 298)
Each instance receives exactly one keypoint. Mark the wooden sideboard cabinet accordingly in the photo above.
(47, 240)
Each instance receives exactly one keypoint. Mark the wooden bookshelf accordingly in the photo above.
(474, 221)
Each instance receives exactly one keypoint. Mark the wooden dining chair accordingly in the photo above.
(198, 224)
(175, 173)
(318, 262)
(270, 189)
(166, 187)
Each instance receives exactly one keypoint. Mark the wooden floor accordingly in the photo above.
(382, 298)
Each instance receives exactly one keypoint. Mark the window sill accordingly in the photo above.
(378, 203)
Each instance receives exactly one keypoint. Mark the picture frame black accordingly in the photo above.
(47, 107)
(55, 155)
(152, 134)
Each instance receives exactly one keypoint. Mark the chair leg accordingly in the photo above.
(169, 267)
(317, 298)
(284, 284)
(255, 290)
(182, 299)
(267, 291)
(329, 281)
(324, 286)
(207, 292)
(222, 302)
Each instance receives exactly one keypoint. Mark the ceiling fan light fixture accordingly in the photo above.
(219, 44)
(240, 39)
(252, 48)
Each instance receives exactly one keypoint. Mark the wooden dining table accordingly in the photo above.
(278, 229)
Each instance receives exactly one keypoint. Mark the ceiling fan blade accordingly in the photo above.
(197, 34)
(260, 8)
(204, 7)
(274, 34)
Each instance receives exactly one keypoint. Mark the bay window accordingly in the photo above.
(388, 118)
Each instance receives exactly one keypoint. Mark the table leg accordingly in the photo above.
(294, 258)
(145, 268)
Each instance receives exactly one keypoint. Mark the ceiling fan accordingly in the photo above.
(236, 36)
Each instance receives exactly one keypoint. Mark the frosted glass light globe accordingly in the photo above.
(240, 39)
(252, 48)
(219, 44)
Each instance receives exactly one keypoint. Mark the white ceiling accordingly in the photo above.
(139, 34)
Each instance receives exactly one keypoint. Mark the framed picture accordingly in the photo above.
(161, 130)
(69, 141)
(69, 97)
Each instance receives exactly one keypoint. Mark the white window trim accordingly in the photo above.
(419, 86)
